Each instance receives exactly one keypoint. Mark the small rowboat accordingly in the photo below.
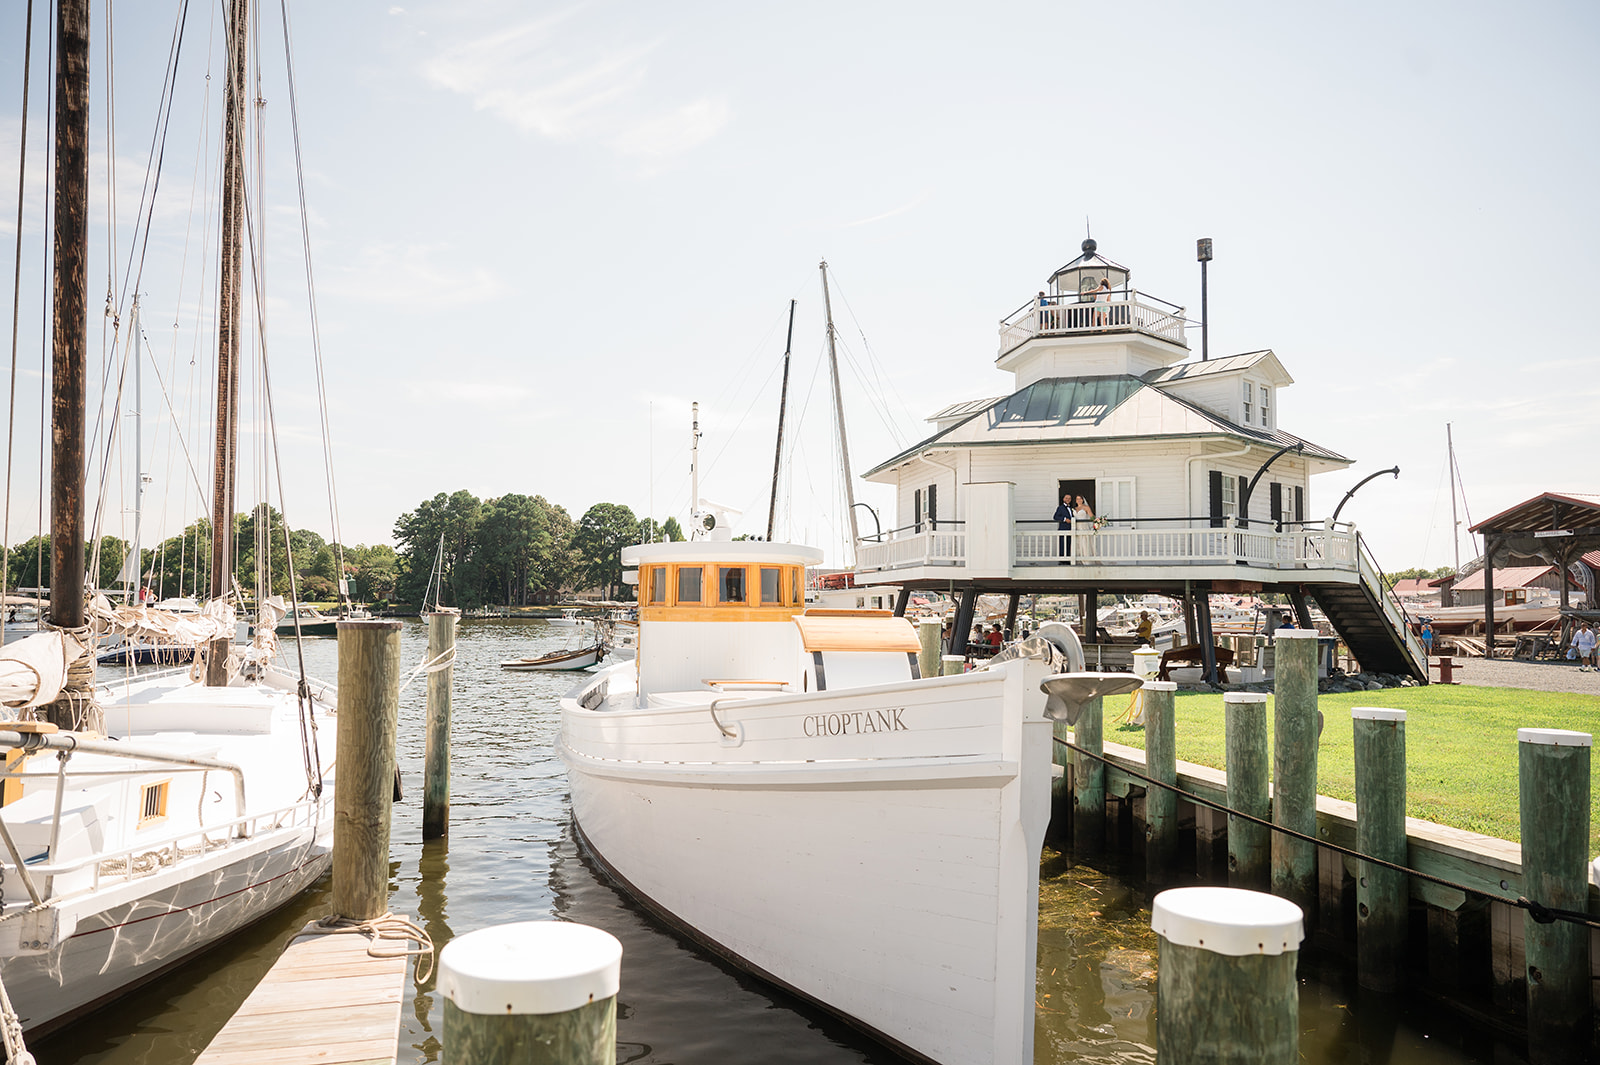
(568, 658)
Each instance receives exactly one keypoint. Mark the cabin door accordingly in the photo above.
(1084, 488)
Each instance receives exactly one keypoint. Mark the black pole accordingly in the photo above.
(1488, 594)
(964, 612)
(783, 402)
(1393, 469)
(900, 602)
(876, 524)
(1249, 489)
(70, 323)
(1202, 250)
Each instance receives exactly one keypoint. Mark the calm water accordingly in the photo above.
(511, 856)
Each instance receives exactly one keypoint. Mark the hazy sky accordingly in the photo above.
(541, 231)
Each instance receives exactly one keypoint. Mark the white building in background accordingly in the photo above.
(1195, 485)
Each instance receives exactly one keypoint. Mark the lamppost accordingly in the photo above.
(1202, 252)
(1244, 504)
(878, 525)
(1393, 469)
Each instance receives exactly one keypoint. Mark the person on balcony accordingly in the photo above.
(1047, 320)
(1063, 520)
(1082, 513)
(1102, 297)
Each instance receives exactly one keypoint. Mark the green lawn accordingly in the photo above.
(1461, 746)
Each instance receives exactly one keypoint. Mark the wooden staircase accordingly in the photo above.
(1371, 622)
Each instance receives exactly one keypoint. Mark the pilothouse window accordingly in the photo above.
(689, 584)
(731, 580)
(658, 584)
(771, 585)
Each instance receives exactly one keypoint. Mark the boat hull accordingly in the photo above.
(555, 662)
(130, 942)
(889, 874)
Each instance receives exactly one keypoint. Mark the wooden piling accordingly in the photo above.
(1553, 771)
(1161, 763)
(1089, 779)
(1225, 976)
(1294, 766)
(929, 633)
(1382, 895)
(1249, 844)
(369, 703)
(954, 664)
(436, 759)
(531, 993)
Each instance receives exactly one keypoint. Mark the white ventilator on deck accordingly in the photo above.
(1227, 921)
(531, 967)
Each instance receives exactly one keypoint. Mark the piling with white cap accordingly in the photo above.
(1161, 763)
(930, 633)
(1249, 844)
(1382, 895)
(531, 993)
(1225, 978)
(954, 664)
(1553, 781)
(1294, 766)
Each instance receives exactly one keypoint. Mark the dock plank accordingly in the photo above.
(326, 1001)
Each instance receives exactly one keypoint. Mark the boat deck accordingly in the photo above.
(326, 1000)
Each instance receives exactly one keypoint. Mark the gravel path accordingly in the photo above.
(1539, 676)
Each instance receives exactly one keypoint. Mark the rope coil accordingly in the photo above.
(1538, 911)
(388, 926)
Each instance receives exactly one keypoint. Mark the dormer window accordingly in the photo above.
(1266, 407)
(1249, 403)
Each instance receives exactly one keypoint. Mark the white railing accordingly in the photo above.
(1398, 621)
(1063, 316)
(932, 547)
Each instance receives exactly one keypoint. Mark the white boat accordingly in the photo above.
(781, 787)
(567, 658)
(569, 619)
(178, 829)
(145, 820)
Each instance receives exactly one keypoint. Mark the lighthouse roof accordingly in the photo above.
(1101, 409)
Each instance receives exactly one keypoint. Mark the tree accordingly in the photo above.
(603, 531)
(452, 519)
(673, 530)
(375, 571)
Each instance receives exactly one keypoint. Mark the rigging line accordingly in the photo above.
(44, 308)
(311, 292)
(1433, 522)
(16, 307)
(153, 162)
(755, 400)
(878, 407)
(871, 356)
(1465, 509)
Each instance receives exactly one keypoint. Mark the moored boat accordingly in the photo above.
(781, 786)
(567, 658)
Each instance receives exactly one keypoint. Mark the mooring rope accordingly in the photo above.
(387, 926)
(444, 660)
(1538, 911)
(11, 1031)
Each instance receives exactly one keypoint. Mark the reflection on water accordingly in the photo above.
(511, 856)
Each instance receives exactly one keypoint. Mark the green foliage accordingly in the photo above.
(1461, 747)
(603, 531)
(673, 530)
(373, 570)
(1415, 574)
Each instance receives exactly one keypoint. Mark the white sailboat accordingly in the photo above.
(144, 820)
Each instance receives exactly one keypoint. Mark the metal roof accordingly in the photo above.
(1547, 512)
(964, 408)
(1184, 371)
(1514, 577)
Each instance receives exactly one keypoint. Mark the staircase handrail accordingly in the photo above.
(1390, 602)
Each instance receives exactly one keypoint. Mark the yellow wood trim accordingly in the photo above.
(11, 790)
(813, 612)
(693, 612)
(847, 633)
(164, 789)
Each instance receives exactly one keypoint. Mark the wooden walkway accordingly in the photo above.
(326, 1001)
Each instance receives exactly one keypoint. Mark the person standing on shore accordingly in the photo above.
(1427, 636)
(1584, 641)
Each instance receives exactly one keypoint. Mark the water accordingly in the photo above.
(511, 856)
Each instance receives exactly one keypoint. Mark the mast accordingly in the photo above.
(1455, 527)
(694, 467)
(137, 581)
(70, 326)
(838, 413)
(222, 481)
(783, 402)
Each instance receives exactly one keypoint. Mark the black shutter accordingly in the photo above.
(1244, 504)
(916, 506)
(1299, 503)
(933, 507)
(1216, 499)
(1277, 505)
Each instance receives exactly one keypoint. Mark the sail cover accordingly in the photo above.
(33, 669)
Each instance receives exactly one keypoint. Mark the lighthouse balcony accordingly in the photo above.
(1119, 549)
(1064, 314)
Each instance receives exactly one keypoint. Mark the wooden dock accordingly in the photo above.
(326, 1000)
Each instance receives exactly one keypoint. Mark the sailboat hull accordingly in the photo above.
(129, 943)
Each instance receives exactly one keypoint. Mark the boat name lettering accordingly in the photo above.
(855, 723)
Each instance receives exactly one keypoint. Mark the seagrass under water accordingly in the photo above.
(511, 856)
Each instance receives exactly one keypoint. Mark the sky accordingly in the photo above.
(539, 232)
